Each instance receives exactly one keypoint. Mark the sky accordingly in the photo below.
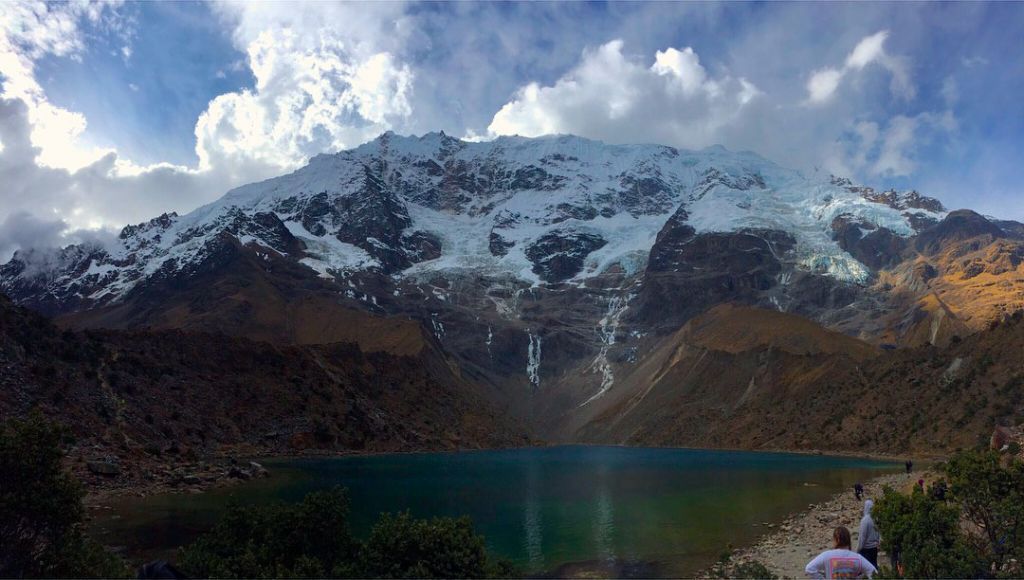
(115, 112)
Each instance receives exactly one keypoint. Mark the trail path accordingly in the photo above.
(788, 548)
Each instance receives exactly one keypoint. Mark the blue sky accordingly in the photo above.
(116, 112)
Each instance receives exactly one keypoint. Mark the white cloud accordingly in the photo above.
(823, 83)
(325, 80)
(613, 97)
(317, 89)
(28, 31)
(867, 51)
(894, 159)
(892, 151)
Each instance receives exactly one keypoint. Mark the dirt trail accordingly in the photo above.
(791, 544)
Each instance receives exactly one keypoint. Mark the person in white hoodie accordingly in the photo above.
(868, 537)
(841, 562)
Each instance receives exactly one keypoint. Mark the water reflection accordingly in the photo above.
(568, 509)
(604, 525)
(532, 537)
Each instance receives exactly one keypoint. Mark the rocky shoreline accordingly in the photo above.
(103, 483)
(788, 546)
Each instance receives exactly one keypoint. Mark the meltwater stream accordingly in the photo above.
(615, 511)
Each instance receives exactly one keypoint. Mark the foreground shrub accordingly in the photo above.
(403, 547)
(926, 533)
(41, 511)
(312, 539)
(991, 499)
(972, 527)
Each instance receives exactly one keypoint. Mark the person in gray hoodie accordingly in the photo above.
(868, 537)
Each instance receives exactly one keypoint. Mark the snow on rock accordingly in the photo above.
(607, 327)
(533, 359)
(555, 209)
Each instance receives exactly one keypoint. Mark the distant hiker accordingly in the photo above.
(858, 491)
(867, 537)
(840, 562)
(909, 465)
(939, 491)
(920, 484)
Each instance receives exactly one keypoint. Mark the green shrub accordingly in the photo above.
(926, 533)
(41, 511)
(991, 498)
(977, 530)
(312, 539)
(402, 547)
(753, 570)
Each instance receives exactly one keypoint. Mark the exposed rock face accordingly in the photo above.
(559, 255)
(958, 226)
(544, 268)
(688, 273)
(877, 248)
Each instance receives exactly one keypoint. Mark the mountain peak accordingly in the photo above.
(416, 206)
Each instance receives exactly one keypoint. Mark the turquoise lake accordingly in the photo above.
(615, 511)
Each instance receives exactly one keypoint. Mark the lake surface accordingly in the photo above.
(611, 510)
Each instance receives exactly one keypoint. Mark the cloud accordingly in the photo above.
(891, 150)
(323, 83)
(29, 31)
(823, 83)
(325, 80)
(897, 144)
(24, 230)
(610, 96)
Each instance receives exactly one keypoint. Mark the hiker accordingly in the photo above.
(920, 484)
(840, 562)
(867, 537)
(909, 465)
(858, 491)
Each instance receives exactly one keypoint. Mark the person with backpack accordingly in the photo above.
(841, 561)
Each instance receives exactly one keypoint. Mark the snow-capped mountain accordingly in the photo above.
(540, 264)
(546, 210)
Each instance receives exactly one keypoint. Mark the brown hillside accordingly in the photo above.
(733, 328)
(154, 396)
(921, 400)
(256, 295)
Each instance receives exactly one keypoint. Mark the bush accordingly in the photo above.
(991, 499)
(926, 533)
(403, 547)
(41, 509)
(747, 569)
(976, 531)
(312, 539)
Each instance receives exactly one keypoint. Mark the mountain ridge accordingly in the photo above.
(544, 268)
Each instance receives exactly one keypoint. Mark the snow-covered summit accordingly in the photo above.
(556, 209)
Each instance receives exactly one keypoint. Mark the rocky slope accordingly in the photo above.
(747, 378)
(544, 267)
(140, 398)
